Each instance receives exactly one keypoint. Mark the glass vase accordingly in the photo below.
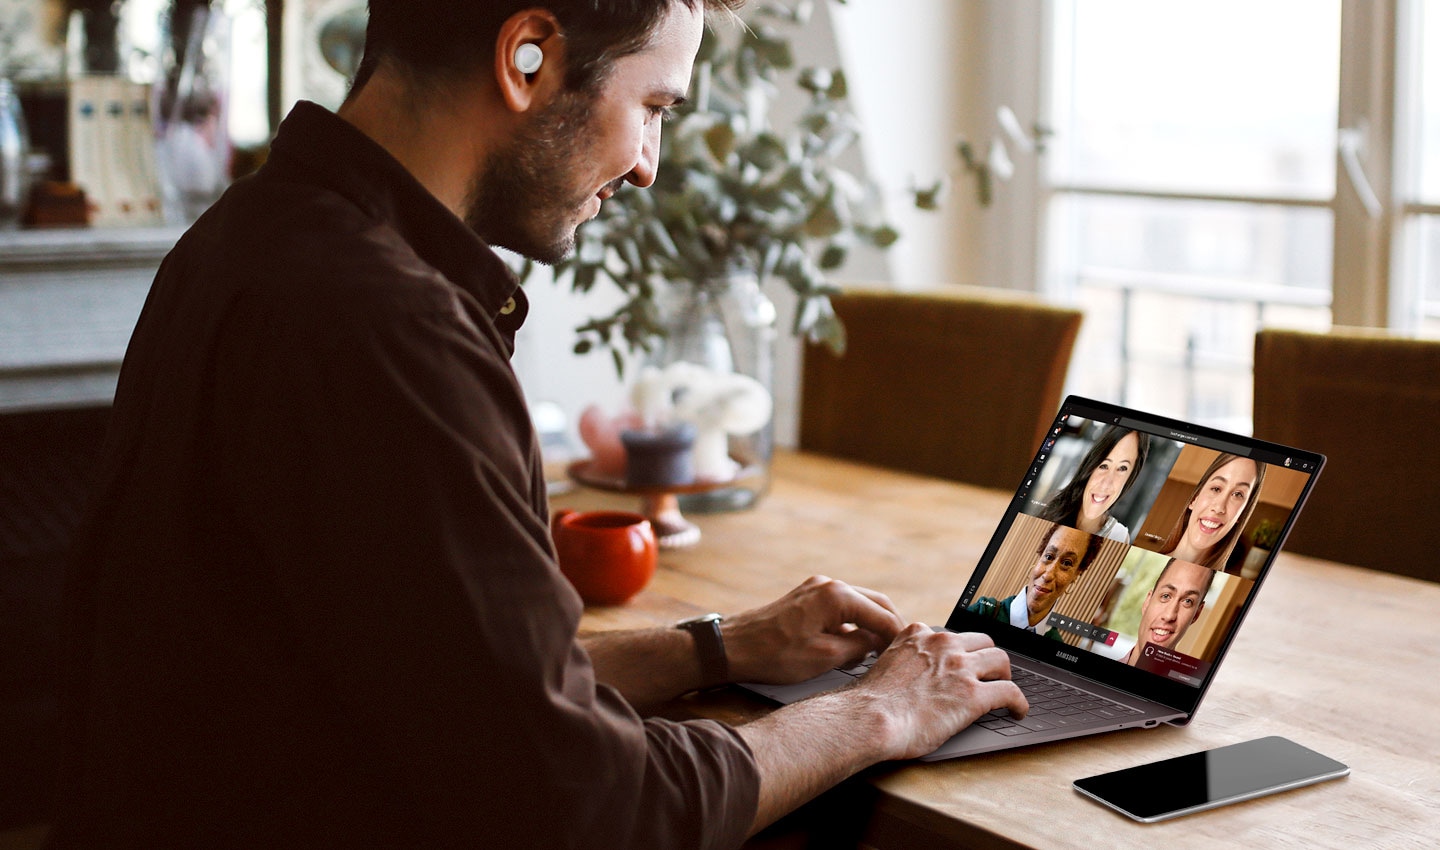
(14, 151)
(726, 324)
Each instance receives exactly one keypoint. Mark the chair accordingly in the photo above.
(956, 382)
(1369, 401)
(47, 460)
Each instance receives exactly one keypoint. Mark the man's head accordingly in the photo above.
(1174, 603)
(1063, 555)
(439, 40)
(564, 135)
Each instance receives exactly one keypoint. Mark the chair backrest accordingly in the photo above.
(956, 382)
(1370, 402)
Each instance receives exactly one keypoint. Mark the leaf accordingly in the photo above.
(832, 332)
(931, 198)
(839, 88)
(828, 217)
(720, 140)
(775, 51)
(833, 257)
(766, 151)
(661, 238)
(884, 236)
(815, 80)
(583, 279)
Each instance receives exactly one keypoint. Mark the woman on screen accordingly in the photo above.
(1105, 473)
(1223, 499)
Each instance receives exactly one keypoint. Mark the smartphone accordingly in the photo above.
(1199, 781)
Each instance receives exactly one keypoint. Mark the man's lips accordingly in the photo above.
(1160, 635)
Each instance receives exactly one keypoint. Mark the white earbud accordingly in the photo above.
(528, 58)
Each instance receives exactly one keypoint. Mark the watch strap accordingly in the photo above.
(710, 647)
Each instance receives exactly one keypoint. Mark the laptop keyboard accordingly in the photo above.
(1053, 704)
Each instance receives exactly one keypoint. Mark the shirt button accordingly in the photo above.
(508, 308)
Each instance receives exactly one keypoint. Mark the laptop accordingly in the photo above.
(1119, 574)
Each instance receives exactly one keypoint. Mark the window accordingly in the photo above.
(1192, 173)
(1420, 79)
(1222, 165)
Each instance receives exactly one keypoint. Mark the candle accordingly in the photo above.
(659, 457)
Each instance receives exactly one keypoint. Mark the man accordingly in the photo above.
(1172, 606)
(1064, 554)
(316, 603)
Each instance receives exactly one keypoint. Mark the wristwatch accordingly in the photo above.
(710, 646)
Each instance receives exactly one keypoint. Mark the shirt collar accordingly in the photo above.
(1020, 614)
(337, 155)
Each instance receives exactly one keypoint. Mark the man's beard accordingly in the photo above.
(526, 197)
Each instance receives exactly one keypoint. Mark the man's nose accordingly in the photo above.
(643, 173)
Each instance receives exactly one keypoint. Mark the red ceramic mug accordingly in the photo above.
(608, 556)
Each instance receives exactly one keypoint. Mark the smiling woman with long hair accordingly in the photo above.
(1106, 472)
(1223, 500)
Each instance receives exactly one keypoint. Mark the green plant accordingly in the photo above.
(734, 193)
(1266, 534)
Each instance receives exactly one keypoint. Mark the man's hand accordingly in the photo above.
(926, 687)
(930, 685)
(821, 624)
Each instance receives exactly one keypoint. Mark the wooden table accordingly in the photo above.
(1337, 658)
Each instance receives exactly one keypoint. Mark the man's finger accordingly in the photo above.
(971, 641)
(990, 663)
(880, 599)
(1003, 693)
(865, 612)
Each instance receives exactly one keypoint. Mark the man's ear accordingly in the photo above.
(520, 90)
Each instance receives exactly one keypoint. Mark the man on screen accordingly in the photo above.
(1063, 555)
(1172, 606)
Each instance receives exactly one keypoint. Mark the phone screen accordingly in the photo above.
(1204, 780)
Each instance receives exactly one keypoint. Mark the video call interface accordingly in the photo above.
(1138, 547)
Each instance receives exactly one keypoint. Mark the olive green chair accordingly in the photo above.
(1369, 401)
(955, 382)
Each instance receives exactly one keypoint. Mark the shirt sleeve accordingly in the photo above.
(382, 461)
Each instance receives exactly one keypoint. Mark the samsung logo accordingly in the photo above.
(1073, 659)
(1186, 437)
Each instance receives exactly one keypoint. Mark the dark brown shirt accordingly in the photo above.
(316, 603)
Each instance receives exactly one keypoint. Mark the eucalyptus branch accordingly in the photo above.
(736, 193)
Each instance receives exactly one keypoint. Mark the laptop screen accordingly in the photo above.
(1134, 546)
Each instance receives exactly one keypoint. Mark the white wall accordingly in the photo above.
(922, 73)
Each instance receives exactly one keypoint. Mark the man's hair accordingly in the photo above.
(436, 40)
(1092, 545)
